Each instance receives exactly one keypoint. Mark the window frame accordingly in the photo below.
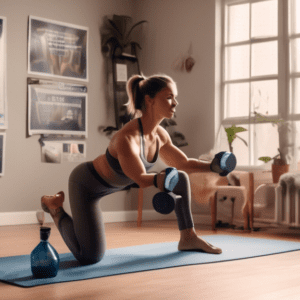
(283, 77)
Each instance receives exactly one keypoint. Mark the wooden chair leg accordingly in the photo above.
(251, 200)
(246, 220)
(213, 203)
(140, 207)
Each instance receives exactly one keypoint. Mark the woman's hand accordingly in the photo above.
(160, 179)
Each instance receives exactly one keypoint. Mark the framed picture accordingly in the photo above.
(3, 75)
(63, 151)
(2, 153)
(74, 151)
(57, 108)
(57, 49)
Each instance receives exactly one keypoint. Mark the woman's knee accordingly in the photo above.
(183, 185)
(183, 176)
(91, 260)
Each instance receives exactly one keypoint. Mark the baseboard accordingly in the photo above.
(21, 218)
(29, 217)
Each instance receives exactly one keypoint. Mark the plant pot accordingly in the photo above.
(278, 170)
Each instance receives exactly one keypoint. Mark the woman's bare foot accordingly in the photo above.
(53, 204)
(189, 241)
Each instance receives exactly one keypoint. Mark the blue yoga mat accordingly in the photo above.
(16, 270)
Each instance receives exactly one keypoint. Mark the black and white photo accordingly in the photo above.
(57, 49)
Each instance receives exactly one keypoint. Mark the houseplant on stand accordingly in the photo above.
(280, 161)
(116, 35)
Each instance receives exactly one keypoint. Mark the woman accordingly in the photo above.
(129, 158)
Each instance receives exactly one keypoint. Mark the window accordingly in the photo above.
(260, 71)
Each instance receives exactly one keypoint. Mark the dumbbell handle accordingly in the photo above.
(171, 179)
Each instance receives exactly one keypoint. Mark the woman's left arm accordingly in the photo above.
(174, 157)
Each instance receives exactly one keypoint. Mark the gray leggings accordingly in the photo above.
(84, 234)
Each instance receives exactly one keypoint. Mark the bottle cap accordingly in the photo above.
(45, 233)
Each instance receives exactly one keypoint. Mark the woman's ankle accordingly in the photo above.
(187, 233)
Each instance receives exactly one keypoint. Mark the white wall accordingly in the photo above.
(173, 26)
(26, 177)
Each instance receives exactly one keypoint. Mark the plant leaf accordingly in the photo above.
(109, 40)
(136, 44)
(239, 129)
(231, 132)
(135, 25)
(115, 27)
(265, 158)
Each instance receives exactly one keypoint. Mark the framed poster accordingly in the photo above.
(3, 91)
(57, 108)
(2, 153)
(57, 49)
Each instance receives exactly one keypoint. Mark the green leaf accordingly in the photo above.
(239, 129)
(265, 158)
(231, 132)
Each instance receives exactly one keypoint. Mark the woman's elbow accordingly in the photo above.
(145, 181)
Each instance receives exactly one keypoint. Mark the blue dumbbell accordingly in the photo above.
(164, 202)
(223, 163)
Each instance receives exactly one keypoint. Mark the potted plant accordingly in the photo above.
(116, 35)
(280, 161)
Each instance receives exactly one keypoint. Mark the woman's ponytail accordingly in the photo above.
(136, 91)
(136, 98)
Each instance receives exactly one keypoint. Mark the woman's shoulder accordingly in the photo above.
(128, 132)
(163, 135)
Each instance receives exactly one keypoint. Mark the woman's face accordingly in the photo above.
(165, 101)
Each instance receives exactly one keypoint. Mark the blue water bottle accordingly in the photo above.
(44, 258)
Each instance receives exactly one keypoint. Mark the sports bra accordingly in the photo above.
(121, 178)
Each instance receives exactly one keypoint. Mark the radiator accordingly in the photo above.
(287, 205)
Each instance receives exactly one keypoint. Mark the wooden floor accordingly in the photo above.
(271, 277)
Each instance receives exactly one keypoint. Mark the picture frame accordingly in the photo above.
(57, 108)
(57, 49)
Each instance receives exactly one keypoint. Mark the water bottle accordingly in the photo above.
(44, 258)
